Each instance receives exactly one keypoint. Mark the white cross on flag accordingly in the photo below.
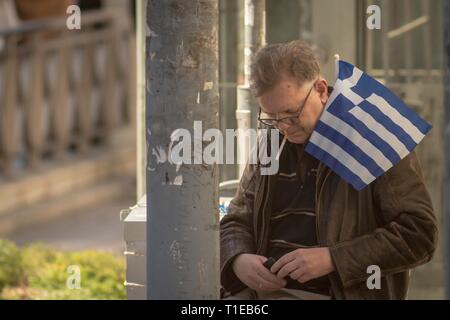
(365, 129)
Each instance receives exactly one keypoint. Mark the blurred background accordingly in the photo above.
(67, 143)
(72, 139)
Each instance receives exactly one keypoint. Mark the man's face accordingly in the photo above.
(287, 99)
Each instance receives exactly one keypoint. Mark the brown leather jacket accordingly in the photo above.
(390, 223)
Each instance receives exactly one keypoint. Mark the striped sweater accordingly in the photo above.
(293, 219)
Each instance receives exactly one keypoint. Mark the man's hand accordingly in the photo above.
(304, 264)
(250, 270)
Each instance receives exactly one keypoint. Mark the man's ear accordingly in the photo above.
(322, 89)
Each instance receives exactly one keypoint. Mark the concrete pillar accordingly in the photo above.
(182, 200)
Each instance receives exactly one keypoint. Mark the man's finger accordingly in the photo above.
(262, 284)
(304, 277)
(296, 274)
(268, 276)
(282, 261)
(262, 259)
(287, 269)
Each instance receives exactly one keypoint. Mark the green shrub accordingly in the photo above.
(10, 264)
(43, 274)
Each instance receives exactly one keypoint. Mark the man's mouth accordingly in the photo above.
(294, 134)
(298, 136)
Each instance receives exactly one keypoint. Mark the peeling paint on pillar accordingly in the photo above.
(182, 201)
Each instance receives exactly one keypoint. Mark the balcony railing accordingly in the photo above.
(63, 92)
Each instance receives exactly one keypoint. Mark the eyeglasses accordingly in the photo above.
(289, 120)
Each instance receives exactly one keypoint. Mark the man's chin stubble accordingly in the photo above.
(301, 138)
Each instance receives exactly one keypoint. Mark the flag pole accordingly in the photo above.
(336, 66)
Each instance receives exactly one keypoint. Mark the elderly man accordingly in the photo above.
(325, 236)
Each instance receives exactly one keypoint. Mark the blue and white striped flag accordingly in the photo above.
(365, 129)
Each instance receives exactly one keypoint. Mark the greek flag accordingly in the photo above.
(365, 129)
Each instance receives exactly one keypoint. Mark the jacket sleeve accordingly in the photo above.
(236, 230)
(408, 234)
